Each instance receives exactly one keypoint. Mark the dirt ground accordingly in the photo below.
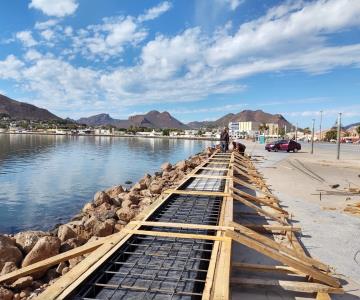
(328, 233)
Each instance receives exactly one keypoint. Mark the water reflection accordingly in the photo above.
(45, 180)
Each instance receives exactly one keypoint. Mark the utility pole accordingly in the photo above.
(338, 136)
(312, 136)
(321, 113)
(296, 132)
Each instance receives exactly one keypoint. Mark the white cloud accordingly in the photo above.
(10, 68)
(47, 24)
(32, 54)
(109, 38)
(233, 4)
(56, 8)
(26, 38)
(47, 34)
(155, 12)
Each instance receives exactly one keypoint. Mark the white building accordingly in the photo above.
(242, 129)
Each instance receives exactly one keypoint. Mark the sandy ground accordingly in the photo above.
(329, 234)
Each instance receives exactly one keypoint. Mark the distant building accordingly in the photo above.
(191, 132)
(243, 129)
(273, 128)
(100, 131)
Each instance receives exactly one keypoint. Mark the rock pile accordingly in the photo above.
(107, 213)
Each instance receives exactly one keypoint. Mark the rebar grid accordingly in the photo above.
(149, 267)
(216, 165)
(211, 172)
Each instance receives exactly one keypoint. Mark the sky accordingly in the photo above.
(197, 59)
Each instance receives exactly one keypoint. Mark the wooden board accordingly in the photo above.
(182, 225)
(294, 286)
(196, 193)
(290, 261)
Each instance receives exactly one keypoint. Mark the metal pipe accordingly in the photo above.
(338, 136)
(312, 136)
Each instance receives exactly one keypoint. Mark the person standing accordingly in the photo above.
(224, 140)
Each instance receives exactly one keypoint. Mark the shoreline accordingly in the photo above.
(108, 213)
(114, 136)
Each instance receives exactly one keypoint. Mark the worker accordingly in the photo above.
(224, 140)
(238, 146)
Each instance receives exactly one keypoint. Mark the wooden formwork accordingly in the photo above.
(240, 172)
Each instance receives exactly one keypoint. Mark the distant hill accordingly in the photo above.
(23, 111)
(152, 119)
(352, 125)
(243, 116)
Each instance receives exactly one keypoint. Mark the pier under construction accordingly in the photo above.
(220, 234)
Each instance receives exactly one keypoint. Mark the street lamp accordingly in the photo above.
(321, 112)
(312, 136)
(338, 137)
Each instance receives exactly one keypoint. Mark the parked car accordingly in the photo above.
(283, 145)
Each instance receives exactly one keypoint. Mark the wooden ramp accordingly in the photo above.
(182, 246)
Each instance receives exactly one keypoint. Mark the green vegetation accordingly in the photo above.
(358, 130)
(331, 135)
(263, 127)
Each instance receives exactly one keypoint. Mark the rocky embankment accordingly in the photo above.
(107, 213)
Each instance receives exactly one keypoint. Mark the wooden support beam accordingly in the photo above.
(196, 193)
(271, 228)
(215, 169)
(209, 176)
(291, 262)
(260, 201)
(294, 286)
(276, 246)
(254, 188)
(249, 176)
(177, 235)
(265, 268)
(259, 210)
(182, 225)
(52, 261)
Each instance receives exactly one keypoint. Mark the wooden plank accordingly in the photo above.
(196, 193)
(250, 186)
(274, 245)
(272, 228)
(294, 286)
(265, 268)
(291, 262)
(176, 235)
(323, 296)
(209, 176)
(216, 169)
(65, 284)
(52, 261)
(259, 210)
(241, 172)
(260, 201)
(182, 225)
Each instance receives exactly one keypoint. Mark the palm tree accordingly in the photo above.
(307, 130)
(263, 127)
(358, 130)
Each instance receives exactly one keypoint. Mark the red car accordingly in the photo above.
(283, 145)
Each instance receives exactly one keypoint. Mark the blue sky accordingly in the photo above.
(196, 59)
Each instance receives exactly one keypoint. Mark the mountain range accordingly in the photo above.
(244, 116)
(24, 111)
(153, 119)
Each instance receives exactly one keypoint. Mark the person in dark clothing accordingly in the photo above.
(239, 147)
(224, 140)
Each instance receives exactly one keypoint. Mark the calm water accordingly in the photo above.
(45, 180)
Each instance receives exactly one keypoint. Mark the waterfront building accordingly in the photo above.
(243, 129)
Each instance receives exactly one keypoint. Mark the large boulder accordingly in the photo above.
(125, 214)
(166, 166)
(22, 283)
(9, 252)
(65, 232)
(104, 228)
(101, 197)
(72, 243)
(181, 165)
(8, 268)
(6, 294)
(45, 247)
(88, 207)
(139, 186)
(155, 188)
(26, 240)
(105, 211)
(114, 191)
